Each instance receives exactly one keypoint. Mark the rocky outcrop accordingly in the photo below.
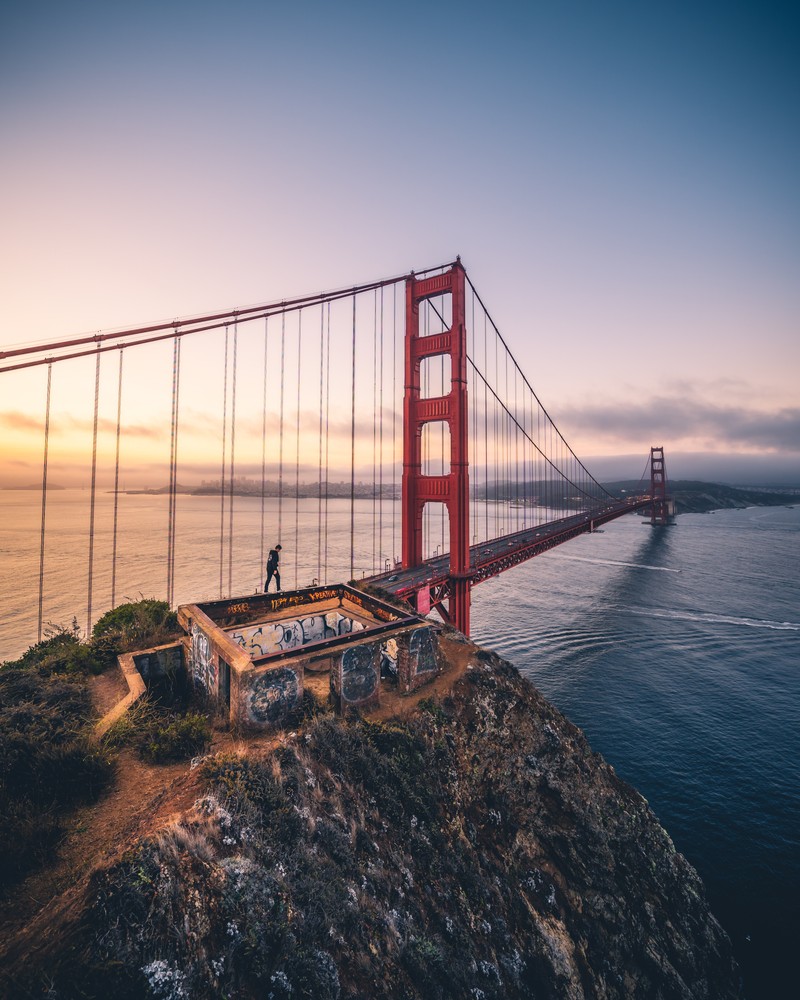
(479, 849)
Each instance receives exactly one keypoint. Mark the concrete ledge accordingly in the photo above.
(136, 688)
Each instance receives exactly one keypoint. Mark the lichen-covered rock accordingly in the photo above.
(480, 850)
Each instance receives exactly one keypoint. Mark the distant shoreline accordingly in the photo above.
(690, 496)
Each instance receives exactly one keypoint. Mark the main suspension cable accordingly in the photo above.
(186, 327)
(531, 389)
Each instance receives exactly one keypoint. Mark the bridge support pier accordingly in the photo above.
(451, 489)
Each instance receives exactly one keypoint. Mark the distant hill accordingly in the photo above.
(695, 497)
(34, 486)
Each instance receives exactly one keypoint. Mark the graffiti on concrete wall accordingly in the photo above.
(420, 648)
(389, 653)
(359, 671)
(203, 662)
(291, 633)
(159, 662)
(272, 694)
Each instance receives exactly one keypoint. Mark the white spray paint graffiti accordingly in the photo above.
(389, 654)
(277, 637)
(204, 668)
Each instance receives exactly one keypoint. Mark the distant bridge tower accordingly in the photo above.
(662, 509)
(452, 488)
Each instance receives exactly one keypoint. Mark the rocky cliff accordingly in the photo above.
(476, 849)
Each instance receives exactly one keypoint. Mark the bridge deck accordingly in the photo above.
(488, 559)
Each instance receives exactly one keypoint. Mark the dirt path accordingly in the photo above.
(143, 798)
(107, 689)
(93, 834)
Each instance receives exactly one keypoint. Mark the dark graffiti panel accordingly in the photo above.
(420, 648)
(273, 694)
(359, 673)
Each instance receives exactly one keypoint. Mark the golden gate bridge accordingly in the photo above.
(412, 377)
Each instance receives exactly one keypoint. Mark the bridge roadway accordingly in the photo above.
(488, 559)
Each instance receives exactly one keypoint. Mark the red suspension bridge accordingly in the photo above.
(405, 382)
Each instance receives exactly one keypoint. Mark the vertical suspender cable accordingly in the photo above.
(297, 452)
(44, 494)
(517, 432)
(395, 408)
(442, 450)
(485, 432)
(327, 429)
(280, 446)
(473, 445)
(173, 445)
(116, 488)
(507, 430)
(426, 446)
(496, 443)
(353, 449)
(224, 455)
(442, 507)
(264, 441)
(374, 414)
(233, 454)
(319, 471)
(380, 449)
(92, 497)
(540, 484)
(175, 491)
(171, 473)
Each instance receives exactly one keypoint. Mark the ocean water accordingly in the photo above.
(677, 650)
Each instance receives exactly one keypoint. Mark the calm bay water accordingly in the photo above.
(677, 651)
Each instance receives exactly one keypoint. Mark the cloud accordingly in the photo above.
(14, 420)
(678, 418)
(105, 426)
(65, 424)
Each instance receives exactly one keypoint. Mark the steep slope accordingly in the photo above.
(478, 848)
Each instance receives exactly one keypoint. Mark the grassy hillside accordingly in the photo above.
(477, 849)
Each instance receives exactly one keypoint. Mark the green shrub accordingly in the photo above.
(64, 653)
(245, 781)
(178, 739)
(48, 763)
(144, 623)
(128, 729)
(59, 644)
(434, 709)
(157, 735)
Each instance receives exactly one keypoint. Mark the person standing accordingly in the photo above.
(272, 568)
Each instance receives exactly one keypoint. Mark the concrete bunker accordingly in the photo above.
(255, 656)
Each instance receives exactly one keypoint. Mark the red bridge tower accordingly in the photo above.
(451, 489)
(661, 510)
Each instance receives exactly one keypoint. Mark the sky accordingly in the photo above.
(619, 179)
